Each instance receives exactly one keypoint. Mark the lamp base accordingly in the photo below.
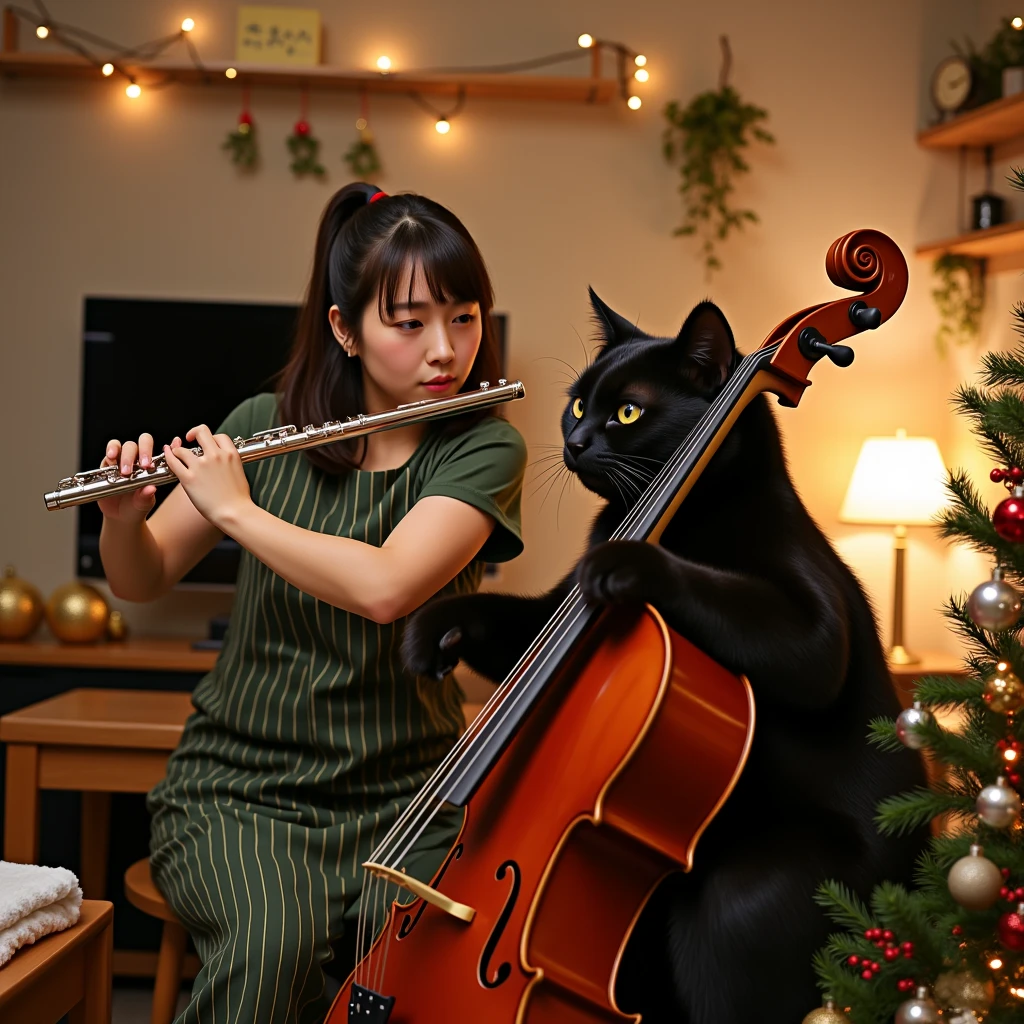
(899, 655)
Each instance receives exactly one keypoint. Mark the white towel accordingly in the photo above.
(34, 901)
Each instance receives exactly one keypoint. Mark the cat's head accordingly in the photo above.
(633, 406)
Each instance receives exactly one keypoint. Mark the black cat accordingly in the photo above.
(744, 573)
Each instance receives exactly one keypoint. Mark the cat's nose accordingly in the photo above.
(576, 448)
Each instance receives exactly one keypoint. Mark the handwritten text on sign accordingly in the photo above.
(278, 35)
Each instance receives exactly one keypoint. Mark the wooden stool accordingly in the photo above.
(64, 973)
(144, 895)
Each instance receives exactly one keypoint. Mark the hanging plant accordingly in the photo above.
(960, 298)
(706, 139)
(303, 145)
(242, 141)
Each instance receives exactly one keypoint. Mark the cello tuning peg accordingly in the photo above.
(866, 317)
(814, 346)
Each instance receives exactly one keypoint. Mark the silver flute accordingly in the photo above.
(107, 481)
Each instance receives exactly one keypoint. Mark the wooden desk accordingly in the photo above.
(932, 663)
(145, 654)
(96, 742)
(68, 972)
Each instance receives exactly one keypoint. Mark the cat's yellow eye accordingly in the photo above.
(629, 413)
(577, 408)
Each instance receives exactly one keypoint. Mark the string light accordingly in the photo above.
(442, 126)
(1018, 23)
(995, 963)
(42, 31)
(586, 40)
(133, 92)
(1010, 754)
(383, 65)
(639, 60)
(230, 73)
(187, 25)
(641, 74)
(107, 69)
(634, 103)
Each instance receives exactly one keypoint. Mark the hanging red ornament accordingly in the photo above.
(242, 141)
(1008, 518)
(1011, 929)
(304, 146)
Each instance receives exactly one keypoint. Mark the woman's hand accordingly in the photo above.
(133, 506)
(214, 481)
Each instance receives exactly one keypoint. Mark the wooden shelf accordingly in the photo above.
(149, 654)
(984, 126)
(1004, 240)
(564, 88)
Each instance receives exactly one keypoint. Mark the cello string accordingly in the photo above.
(658, 488)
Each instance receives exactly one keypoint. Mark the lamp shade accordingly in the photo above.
(898, 481)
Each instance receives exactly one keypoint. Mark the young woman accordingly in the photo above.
(308, 737)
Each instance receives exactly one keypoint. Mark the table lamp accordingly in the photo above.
(898, 481)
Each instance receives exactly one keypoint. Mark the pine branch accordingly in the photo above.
(1004, 369)
(905, 812)
(842, 906)
(882, 733)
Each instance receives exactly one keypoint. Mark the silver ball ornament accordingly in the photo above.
(958, 1016)
(994, 605)
(919, 1010)
(998, 805)
(906, 722)
(974, 882)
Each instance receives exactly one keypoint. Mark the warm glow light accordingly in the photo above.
(360, 124)
(107, 69)
(133, 92)
(42, 31)
(995, 963)
(639, 60)
(187, 25)
(384, 64)
(898, 481)
(1017, 23)
(586, 40)
(443, 126)
(641, 74)
(1009, 755)
(230, 73)
(634, 102)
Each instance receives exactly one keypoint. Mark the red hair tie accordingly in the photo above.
(377, 195)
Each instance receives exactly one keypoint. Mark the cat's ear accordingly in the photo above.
(707, 344)
(614, 329)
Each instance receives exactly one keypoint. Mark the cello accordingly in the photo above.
(563, 776)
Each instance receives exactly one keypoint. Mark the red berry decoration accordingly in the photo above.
(867, 975)
(853, 960)
(997, 476)
(1008, 518)
(301, 127)
(1016, 474)
(888, 935)
(892, 954)
(957, 930)
(1011, 929)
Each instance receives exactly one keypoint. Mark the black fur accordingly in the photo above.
(744, 573)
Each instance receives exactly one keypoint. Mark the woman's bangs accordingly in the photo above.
(450, 265)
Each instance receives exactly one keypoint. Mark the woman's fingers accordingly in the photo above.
(144, 498)
(174, 464)
(145, 449)
(112, 453)
(129, 454)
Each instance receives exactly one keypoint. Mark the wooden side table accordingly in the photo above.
(65, 973)
(932, 663)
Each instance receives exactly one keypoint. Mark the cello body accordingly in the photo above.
(605, 789)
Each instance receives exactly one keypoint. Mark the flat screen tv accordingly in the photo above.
(163, 366)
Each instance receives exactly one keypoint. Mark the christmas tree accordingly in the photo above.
(952, 948)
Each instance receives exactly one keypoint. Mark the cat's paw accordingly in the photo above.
(622, 572)
(433, 637)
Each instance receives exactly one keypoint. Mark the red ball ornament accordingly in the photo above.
(301, 128)
(1011, 929)
(1008, 518)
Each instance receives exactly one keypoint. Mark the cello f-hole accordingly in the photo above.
(501, 975)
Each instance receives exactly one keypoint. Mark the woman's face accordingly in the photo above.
(425, 350)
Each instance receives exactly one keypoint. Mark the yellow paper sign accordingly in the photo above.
(278, 35)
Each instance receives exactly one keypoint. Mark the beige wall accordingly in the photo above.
(102, 196)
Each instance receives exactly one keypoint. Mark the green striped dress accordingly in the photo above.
(308, 737)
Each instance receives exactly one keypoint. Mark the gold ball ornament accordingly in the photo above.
(827, 1014)
(77, 614)
(117, 629)
(974, 882)
(1004, 692)
(962, 990)
(21, 606)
